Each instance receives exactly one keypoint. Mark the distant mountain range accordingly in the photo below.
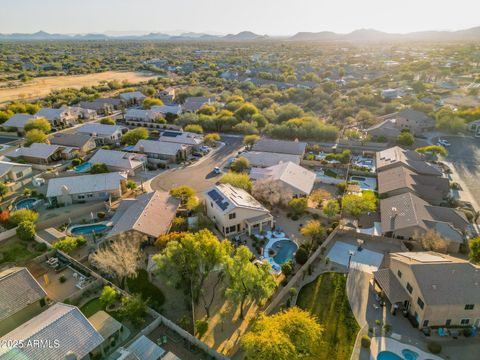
(362, 35)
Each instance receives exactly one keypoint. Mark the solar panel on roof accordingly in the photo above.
(170, 134)
(222, 205)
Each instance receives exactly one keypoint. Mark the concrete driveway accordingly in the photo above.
(200, 175)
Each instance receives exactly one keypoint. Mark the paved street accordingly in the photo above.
(200, 175)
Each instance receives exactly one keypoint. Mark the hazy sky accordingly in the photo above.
(275, 17)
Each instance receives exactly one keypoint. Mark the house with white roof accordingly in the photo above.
(62, 329)
(292, 178)
(132, 98)
(43, 154)
(21, 298)
(235, 211)
(145, 218)
(280, 146)
(102, 133)
(75, 189)
(161, 152)
(260, 159)
(18, 121)
(57, 117)
(120, 161)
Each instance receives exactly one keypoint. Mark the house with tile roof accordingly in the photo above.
(407, 216)
(121, 161)
(21, 298)
(132, 98)
(75, 189)
(145, 118)
(81, 141)
(434, 289)
(260, 159)
(396, 156)
(161, 151)
(102, 133)
(18, 121)
(59, 331)
(10, 172)
(58, 117)
(43, 154)
(146, 217)
(192, 140)
(194, 103)
(292, 178)
(235, 211)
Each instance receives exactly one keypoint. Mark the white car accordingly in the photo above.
(443, 142)
(217, 170)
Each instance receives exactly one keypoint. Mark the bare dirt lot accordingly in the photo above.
(42, 86)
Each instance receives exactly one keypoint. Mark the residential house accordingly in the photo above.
(12, 173)
(103, 134)
(292, 178)
(393, 93)
(262, 159)
(235, 211)
(18, 121)
(396, 156)
(43, 154)
(81, 141)
(417, 122)
(407, 216)
(173, 109)
(145, 118)
(103, 106)
(21, 298)
(191, 140)
(132, 98)
(434, 289)
(121, 161)
(145, 218)
(58, 117)
(387, 129)
(82, 113)
(280, 147)
(62, 329)
(167, 95)
(194, 103)
(75, 189)
(473, 126)
(400, 180)
(108, 327)
(161, 152)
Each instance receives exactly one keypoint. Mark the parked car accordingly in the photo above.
(441, 142)
(217, 170)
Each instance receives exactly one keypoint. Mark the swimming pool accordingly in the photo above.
(357, 178)
(28, 203)
(409, 354)
(89, 229)
(388, 355)
(83, 167)
(284, 251)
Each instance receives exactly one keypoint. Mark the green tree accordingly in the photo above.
(35, 136)
(99, 168)
(149, 102)
(291, 334)
(132, 185)
(246, 111)
(194, 128)
(26, 231)
(210, 139)
(239, 180)
(248, 281)
(432, 149)
(18, 216)
(69, 243)
(240, 164)
(202, 327)
(405, 138)
(249, 140)
(365, 117)
(183, 192)
(297, 206)
(331, 208)
(314, 230)
(357, 205)
(4, 189)
(107, 121)
(133, 136)
(474, 253)
(39, 124)
(134, 309)
(192, 257)
(109, 296)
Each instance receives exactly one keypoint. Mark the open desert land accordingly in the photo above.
(39, 87)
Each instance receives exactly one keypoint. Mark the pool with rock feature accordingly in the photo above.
(278, 251)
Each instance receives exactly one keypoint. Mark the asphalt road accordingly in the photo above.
(464, 154)
(200, 175)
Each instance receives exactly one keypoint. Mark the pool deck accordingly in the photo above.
(380, 343)
(271, 241)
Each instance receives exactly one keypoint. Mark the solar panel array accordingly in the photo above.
(170, 133)
(218, 199)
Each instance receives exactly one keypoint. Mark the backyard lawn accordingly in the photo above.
(141, 285)
(326, 298)
(15, 250)
(92, 307)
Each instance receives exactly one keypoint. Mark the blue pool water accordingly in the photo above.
(388, 355)
(89, 229)
(25, 203)
(284, 251)
(409, 354)
(357, 178)
(83, 167)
